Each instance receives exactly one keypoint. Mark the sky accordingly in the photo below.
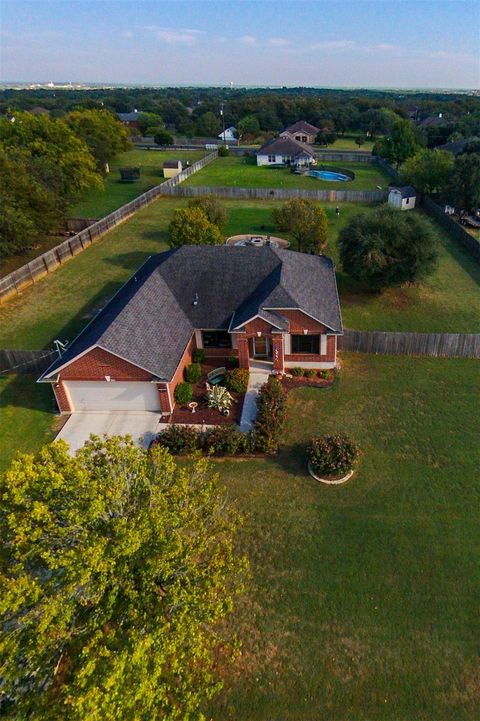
(341, 43)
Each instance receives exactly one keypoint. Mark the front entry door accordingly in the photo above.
(261, 347)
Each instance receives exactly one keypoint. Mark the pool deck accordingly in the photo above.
(242, 240)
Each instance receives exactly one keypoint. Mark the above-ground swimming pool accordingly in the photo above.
(329, 175)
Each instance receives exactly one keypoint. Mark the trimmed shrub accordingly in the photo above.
(271, 414)
(193, 373)
(198, 355)
(179, 439)
(332, 455)
(232, 361)
(183, 393)
(223, 151)
(323, 374)
(296, 372)
(237, 380)
(309, 373)
(225, 441)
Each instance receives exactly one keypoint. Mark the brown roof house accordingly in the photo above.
(284, 150)
(265, 303)
(302, 131)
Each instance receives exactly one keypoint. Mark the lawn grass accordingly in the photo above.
(61, 304)
(363, 602)
(98, 203)
(243, 172)
(26, 418)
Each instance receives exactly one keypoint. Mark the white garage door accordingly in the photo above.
(113, 396)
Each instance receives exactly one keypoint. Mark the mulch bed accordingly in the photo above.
(302, 382)
(203, 414)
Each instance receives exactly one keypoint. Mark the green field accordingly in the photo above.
(363, 602)
(61, 304)
(243, 172)
(364, 599)
(98, 203)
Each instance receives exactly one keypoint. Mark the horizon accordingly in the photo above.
(212, 43)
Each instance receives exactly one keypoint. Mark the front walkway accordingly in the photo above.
(259, 372)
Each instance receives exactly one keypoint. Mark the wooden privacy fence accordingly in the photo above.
(45, 263)
(26, 361)
(358, 196)
(448, 345)
(452, 227)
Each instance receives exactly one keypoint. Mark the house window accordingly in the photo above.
(216, 339)
(407, 200)
(271, 158)
(308, 344)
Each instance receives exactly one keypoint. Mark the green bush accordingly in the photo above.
(271, 414)
(193, 373)
(223, 151)
(225, 441)
(237, 380)
(332, 455)
(198, 355)
(232, 361)
(179, 439)
(296, 372)
(309, 373)
(323, 374)
(183, 393)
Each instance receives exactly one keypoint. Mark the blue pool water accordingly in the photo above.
(329, 175)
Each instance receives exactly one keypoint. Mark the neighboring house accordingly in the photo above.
(229, 135)
(412, 111)
(130, 120)
(302, 131)
(37, 110)
(434, 121)
(457, 147)
(254, 303)
(285, 151)
(402, 198)
(171, 168)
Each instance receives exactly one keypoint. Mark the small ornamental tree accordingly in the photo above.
(332, 455)
(306, 221)
(360, 140)
(387, 247)
(162, 137)
(213, 209)
(271, 415)
(118, 569)
(183, 393)
(191, 226)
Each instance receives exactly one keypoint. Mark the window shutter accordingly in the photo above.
(287, 344)
(323, 344)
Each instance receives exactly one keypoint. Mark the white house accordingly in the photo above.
(228, 135)
(402, 198)
(285, 151)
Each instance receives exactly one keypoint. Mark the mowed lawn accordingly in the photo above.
(243, 172)
(363, 602)
(98, 203)
(61, 304)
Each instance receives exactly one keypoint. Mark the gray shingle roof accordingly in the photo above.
(406, 191)
(151, 319)
(285, 146)
(302, 127)
(128, 117)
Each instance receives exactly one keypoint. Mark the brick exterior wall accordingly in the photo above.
(98, 363)
(185, 361)
(330, 356)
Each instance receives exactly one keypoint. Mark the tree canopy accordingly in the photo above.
(103, 133)
(161, 136)
(306, 221)
(464, 189)
(118, 565)
(428, 170)
(213, 209)
(387, 247)
(400, 144)
(191, 226)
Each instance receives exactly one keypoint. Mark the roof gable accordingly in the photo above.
(285, 146)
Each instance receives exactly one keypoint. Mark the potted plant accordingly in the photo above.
(332, 458)
(219, 398)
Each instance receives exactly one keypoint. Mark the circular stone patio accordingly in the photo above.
(257, 241)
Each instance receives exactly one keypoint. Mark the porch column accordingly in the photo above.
(243, 353)
(277, 341)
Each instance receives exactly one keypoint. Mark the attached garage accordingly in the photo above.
(112, 396)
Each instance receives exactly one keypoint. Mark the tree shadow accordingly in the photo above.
(22, 391)
(131, 261)
(291, 459)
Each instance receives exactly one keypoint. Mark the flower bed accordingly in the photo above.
(291, 382)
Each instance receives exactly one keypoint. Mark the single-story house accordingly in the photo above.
(171, 168)
(254, 303)
(285, 151)
(402, 198)
(434, 121)
(130, 120)
(228, 135)
(302, 131)
(458, 146)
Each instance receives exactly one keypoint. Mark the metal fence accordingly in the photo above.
(26, 361)
(356, 196)
(447, 345)
(455, 230)
(28, 274)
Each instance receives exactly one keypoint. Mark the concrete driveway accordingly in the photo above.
(142, 426)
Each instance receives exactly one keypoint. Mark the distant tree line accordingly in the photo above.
(46, 164)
